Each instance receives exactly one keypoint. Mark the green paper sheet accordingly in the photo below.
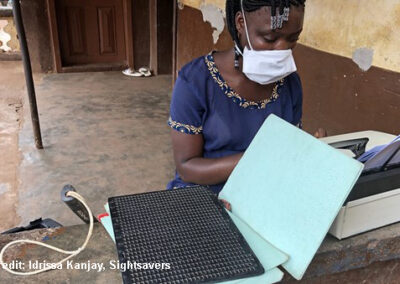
(289, 187)
(269, 256)
(107, 223)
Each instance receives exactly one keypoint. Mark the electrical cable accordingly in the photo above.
(71, 253)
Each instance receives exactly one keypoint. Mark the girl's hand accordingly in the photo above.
(226, 204)
(320, 133)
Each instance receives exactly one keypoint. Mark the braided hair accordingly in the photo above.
(234, 6)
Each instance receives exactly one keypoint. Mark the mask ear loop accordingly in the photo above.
(245, 25)
(238, 53)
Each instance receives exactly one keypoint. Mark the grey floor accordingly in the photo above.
(104, 133)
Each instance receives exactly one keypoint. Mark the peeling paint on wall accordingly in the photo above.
(340, 27)
(181, 5)
(215, 17)
(197, 3)
(363, 57)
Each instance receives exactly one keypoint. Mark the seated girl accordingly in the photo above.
(220, 100)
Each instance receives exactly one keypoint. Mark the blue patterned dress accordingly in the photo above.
(203, 104)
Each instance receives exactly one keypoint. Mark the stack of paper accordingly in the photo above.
(374, 151)
(285, 193)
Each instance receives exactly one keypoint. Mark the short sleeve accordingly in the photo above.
(297, 99)
(187, 107)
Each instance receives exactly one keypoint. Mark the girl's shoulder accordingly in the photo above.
(195, 70)
(293, 79)
(294, 85)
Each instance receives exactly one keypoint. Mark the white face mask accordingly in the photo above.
(266, 66)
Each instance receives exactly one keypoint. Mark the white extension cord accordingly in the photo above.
(71, 253)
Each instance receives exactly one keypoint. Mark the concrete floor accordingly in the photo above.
(11, 90)
(104, 133)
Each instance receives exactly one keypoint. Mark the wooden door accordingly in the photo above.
(91, 31)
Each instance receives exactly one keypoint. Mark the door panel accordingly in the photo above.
(107, 33)
(91, 31)
(75, 24)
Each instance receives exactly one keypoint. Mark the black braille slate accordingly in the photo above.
(187, 228)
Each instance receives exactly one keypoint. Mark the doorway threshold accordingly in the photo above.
(94, 67)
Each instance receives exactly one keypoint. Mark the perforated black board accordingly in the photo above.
(185, 228)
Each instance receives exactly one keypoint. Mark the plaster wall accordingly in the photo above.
(343, 27)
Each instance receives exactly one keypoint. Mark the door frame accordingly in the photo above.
(153, 36)
(55, 43)
(174, 41)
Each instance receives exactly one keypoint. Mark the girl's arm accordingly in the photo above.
(193, 167)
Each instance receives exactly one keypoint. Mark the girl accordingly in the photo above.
(221, 100)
